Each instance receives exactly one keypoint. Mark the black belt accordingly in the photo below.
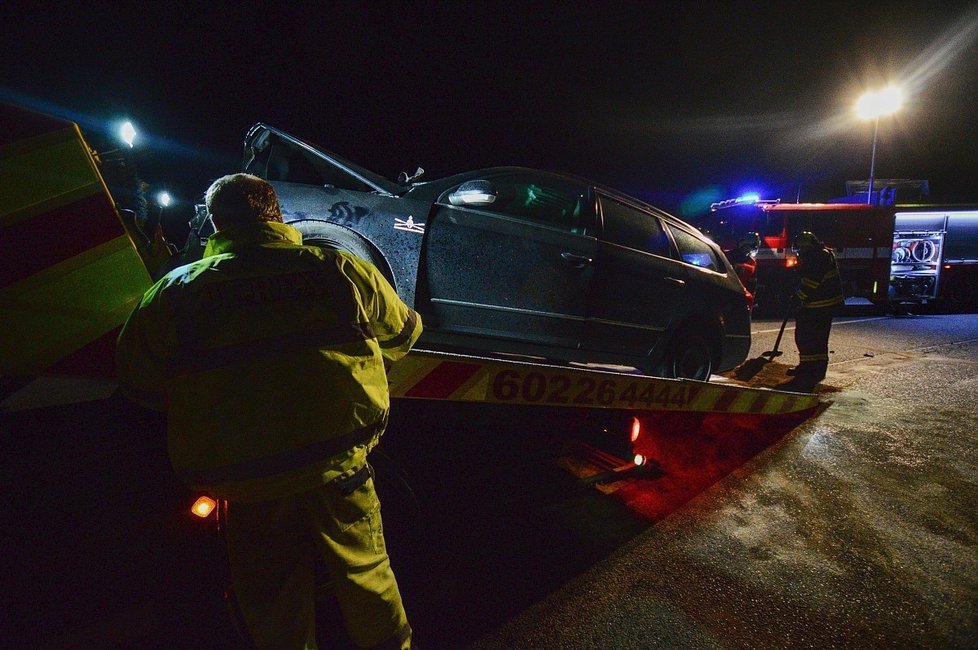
(351, 484)
(286, 461)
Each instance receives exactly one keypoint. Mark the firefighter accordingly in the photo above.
(742, 258)
(819, 297)
(269, 358)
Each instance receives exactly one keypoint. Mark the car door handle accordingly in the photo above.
(676, 281)
(577, 261)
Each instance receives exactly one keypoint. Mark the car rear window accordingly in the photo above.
(632, 228)
(695, 251)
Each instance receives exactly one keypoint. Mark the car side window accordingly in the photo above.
(695, 251)
(548, 200)
(632, 228)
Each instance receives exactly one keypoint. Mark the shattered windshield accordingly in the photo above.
(278, 156)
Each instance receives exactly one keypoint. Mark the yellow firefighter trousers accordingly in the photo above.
(272, 546)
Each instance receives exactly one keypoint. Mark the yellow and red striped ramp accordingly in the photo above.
(441, 376)
(692, 432)
(69, 273)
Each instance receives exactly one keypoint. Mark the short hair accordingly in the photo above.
(241, 199)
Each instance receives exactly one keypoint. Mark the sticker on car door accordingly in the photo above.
(408, 225)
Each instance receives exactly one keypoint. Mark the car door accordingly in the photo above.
(513, 264)
(639, 285)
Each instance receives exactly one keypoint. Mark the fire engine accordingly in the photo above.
(860, 234)
(935, 255)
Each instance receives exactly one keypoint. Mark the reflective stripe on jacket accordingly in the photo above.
(820, 286)
(264, 353)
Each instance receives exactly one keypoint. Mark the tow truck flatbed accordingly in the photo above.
(471, 378)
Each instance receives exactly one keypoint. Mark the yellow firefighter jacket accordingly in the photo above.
(819, 285)
(269, 358)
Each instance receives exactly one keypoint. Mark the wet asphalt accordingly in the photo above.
(857, 530)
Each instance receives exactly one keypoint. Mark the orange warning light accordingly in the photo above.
(203, 506)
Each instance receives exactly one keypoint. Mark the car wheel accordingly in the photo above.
(691, 356)
(332, 236)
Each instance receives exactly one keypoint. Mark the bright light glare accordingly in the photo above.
(128, 133)
(639, 460)
(876, 104)
(203, 506)
(163, 198)
(942, 53)
(750, 197)
(636, 429)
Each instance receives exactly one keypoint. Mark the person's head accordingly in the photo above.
(239, 199)
(749, 244)
(806, 241)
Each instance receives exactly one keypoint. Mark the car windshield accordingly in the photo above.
(309, 163)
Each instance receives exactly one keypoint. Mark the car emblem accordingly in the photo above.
(408, 225)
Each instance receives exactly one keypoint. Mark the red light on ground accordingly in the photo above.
(691, 451)
(636, 429)
(203, 506)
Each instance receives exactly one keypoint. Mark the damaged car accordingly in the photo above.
(517, 261)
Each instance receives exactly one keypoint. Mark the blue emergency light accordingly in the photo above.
(750, 198)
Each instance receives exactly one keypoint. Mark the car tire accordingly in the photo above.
(691, 355)
(333, 236)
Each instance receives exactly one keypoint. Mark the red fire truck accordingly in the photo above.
(860, 234)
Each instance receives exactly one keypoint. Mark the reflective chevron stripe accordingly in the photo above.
(69, 275)
(425, 375)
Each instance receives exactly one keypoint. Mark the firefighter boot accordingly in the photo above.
(805, 377)
(813, 371)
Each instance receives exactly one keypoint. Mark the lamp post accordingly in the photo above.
(872, 106)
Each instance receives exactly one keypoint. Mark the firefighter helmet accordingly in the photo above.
(749, 244)
(805, 241)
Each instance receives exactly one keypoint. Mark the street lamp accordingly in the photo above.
(127, 132)
(872, 106)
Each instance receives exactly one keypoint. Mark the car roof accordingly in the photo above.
(432, 188)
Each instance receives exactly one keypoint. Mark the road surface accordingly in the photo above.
(857, 529)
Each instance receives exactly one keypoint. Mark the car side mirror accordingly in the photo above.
(403, 178)
(473, 194)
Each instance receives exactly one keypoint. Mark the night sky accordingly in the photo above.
(676, 103)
